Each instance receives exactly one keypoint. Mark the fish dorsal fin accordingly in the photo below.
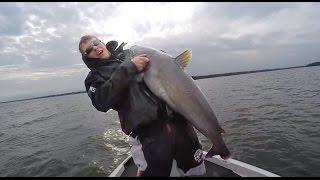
(184, 58)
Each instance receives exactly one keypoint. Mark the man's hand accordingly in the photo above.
(140, 61)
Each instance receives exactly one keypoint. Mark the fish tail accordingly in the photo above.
(223, 152)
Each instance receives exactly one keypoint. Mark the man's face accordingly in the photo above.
(94, 48)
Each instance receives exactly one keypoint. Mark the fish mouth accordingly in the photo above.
(100, 52)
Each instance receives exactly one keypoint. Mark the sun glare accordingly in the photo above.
(135, 21)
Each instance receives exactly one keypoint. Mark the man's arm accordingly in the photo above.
(104, 94)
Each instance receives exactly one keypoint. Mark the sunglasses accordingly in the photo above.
(90, 47)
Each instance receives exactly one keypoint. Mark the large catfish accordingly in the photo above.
(165, 77)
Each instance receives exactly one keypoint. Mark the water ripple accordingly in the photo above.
(271, 121)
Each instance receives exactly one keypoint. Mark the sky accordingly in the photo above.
(39, 40)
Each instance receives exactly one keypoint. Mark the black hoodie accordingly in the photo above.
(112, 84)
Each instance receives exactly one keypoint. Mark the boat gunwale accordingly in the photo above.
(241, 168)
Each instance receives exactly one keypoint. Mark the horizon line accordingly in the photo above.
(193, 77)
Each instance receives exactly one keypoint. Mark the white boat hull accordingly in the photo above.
(237, 167)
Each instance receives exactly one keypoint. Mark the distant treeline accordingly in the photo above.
(314, 64)
(247, 72)
(243, 72)
(64, 94)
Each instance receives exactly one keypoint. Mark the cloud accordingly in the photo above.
(11, 19)
(20, 83)
(226, 37)
(39, 40)
(16, 73)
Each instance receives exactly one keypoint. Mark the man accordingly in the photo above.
(157, 135)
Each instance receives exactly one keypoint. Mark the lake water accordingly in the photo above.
(271, 119)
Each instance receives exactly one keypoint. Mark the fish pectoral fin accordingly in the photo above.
(184, 58)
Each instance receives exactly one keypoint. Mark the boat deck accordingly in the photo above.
(212, 170)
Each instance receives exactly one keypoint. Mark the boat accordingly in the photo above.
(215, 167)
